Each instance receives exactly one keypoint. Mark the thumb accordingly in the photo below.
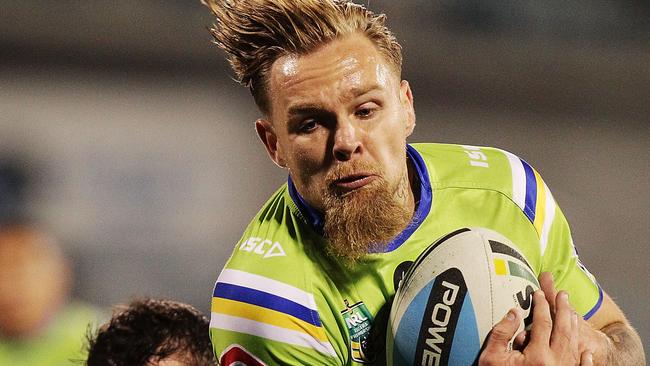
(502, 332)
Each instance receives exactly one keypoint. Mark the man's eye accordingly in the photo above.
(308, 125)
(365, 111)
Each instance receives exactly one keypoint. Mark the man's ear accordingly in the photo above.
(406, 98)
(267, 134)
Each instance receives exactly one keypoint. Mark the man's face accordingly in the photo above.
(339, 119)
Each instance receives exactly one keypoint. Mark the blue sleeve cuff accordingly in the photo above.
(593, 310)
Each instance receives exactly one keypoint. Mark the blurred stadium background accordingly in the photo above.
(122, 133)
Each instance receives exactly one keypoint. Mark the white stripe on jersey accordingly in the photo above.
(548, 218)
(272, 332)
(518, 179)
(261, 283)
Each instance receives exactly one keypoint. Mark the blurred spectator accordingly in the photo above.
(151, 332)
(39, 324)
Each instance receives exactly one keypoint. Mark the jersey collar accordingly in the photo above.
(311, 215)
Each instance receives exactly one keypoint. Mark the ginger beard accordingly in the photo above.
(366, 219)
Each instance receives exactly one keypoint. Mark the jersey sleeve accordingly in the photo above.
(558, 253)
(263, 310)
(561, 258)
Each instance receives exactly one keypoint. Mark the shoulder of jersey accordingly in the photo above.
(264, 291)
(465, 166)
(272, 237)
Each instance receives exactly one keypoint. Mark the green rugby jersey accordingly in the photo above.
(281, 301)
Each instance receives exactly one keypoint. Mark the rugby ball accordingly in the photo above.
(453, 294)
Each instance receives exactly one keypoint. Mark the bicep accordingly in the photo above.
(608, 313)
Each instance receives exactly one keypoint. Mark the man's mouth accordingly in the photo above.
(352, 182)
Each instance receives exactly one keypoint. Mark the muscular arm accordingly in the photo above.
(619, 343)
(624, 346)
(607, 334)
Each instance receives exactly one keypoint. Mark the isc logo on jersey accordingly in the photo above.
(264, 247)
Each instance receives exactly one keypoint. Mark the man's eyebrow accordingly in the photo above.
(309, 108)
(302, 109)
(356, 92)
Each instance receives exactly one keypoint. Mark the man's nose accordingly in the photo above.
(346, 141)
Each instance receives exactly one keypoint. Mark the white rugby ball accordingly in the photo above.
(452, 296)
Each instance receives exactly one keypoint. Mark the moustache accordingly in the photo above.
(347, 170)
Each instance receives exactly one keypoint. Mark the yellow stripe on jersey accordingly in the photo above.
(533, 197)
(540, 205)
(549, 216)
(267, 316)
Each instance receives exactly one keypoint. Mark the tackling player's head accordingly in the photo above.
(152, 332)
(255, 33)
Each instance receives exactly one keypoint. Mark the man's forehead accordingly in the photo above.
(347, 54)
(346, 78)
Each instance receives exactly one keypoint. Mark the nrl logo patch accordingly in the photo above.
(359, 322)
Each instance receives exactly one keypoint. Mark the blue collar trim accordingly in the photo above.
(315, 219)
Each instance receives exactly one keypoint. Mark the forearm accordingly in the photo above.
(623, 347)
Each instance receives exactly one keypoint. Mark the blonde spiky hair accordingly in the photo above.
(255, 33)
